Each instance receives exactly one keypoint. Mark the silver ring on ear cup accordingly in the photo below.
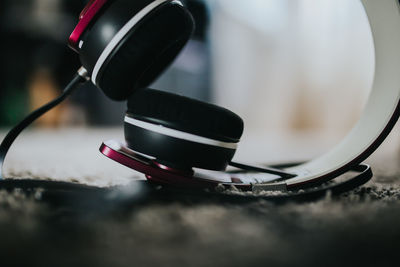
(179, 134)
(122, 33)
(176, 148)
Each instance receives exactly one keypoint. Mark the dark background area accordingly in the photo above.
(36, 64)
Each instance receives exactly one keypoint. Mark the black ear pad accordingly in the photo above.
(146, 50)
(151, 113)
(185, 114)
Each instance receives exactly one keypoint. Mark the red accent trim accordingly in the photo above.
(86, 8)
(85, 18)
(187, 172)
(161, 176)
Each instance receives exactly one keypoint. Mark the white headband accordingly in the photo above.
(382, 109)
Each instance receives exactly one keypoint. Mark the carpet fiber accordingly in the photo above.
(360, 227)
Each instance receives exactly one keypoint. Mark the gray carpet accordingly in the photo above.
(357, 228)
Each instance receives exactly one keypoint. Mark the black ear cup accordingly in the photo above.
(185, 114)
(143, 53)
(180, 131)
(125, 48)
(146, 52)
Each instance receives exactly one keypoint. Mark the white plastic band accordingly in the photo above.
(122, 33)
(384, 18)
(178, 134)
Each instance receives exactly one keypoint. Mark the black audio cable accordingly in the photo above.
(80, 77)
(62, 191)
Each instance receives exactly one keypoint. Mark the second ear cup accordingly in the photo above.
(146, 50)
(180, 131)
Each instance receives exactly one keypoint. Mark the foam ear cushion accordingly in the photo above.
(148, 49)
(185, 114)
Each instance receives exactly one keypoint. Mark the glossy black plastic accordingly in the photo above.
(145, 51)
(179, 152)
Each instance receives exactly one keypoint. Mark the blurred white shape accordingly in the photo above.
(264, 15)
(292, 65)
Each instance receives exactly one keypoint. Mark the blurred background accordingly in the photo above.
(286, 67)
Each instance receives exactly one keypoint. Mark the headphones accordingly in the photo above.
(125, 45)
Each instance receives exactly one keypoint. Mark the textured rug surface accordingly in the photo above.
(357, 228)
